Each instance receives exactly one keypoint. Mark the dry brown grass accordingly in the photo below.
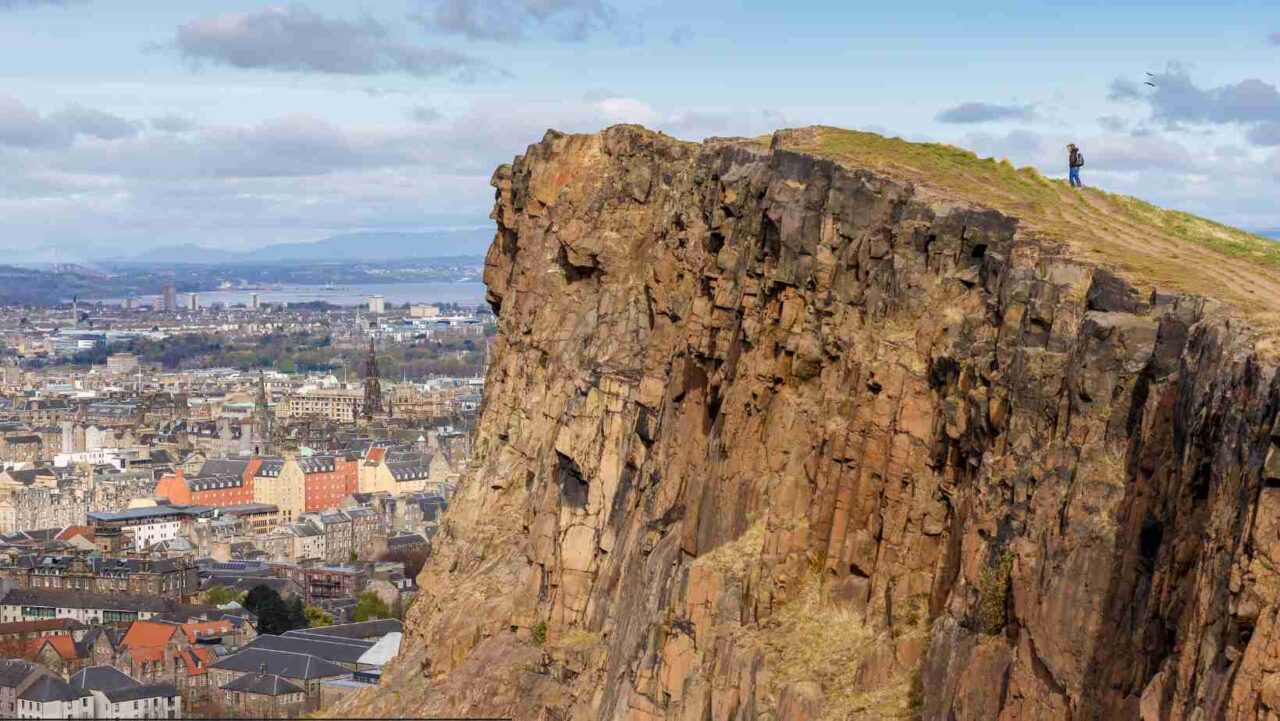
(735, 558)
(813, 639)
(1152, 247)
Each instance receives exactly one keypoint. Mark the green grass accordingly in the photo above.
(1150, 246)
(1223, 238)
(999, 184)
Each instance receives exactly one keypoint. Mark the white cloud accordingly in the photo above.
(514, 20)
(295, 38)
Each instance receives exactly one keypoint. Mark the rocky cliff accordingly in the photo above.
(772, 433)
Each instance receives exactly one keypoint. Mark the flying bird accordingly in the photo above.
(1151, 75)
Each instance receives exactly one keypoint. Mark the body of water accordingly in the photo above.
(469, 293)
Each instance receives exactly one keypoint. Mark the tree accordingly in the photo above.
(297, 613)
(370, 606)
(220, 595)
(253, 600)
(317, 617)
(275, 615)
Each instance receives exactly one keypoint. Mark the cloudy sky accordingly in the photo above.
(130, 124)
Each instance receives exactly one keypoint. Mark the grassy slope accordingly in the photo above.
(1150, 246)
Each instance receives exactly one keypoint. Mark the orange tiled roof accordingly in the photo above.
(147, 634)
(198, 659)
(65, 646)
(375, 454)
(146, 654)
(205, 629)
(73, 531)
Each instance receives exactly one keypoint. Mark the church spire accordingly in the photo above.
(372, 386)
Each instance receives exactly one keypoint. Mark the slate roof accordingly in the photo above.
(213, 483)
(102, 678)
(99, 564)
(305, 529)
(318, 464)
(284, 663)
(360, 629)
(246, 583)
(408, 470)
(14, 671)
(140, 691)
(268, 684)
(405, 540)
(247, 509)
(270, 467)
(74, 599)
(141, 514)
(342, 650)
(223, 467)
(48, 688)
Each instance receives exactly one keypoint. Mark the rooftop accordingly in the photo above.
(141, 514)
(74, 599)
(102, 678)
(49, 688)
(141, 691)
(285, 663)
(268, 684)
(360, 629)
(334, 648)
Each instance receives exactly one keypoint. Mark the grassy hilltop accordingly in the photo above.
(1150, 246)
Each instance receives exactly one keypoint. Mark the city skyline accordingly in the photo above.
(140, 124)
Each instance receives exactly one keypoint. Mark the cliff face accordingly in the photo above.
(769, 436)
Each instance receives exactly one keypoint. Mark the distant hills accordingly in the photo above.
(349, 247)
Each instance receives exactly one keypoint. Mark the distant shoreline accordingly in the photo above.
(350, 294)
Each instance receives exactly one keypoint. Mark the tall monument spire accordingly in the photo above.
(263, 427)
(372, 386)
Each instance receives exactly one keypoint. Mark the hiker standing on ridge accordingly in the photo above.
(1075, 160)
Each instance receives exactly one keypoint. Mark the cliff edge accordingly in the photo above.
(829, 426)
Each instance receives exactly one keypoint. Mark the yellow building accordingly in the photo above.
(281, 483)
(397, 475)
(340, 405)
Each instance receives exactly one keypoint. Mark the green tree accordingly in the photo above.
(256, 596)
(370, 606)
(297, 613)
(220, 595)
(317, 617)
(275, 615)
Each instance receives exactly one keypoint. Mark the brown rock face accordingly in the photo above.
(769, 437)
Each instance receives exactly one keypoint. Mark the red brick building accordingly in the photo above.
(221, 482)
(327, 480)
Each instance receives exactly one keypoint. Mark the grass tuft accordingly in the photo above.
(993, 588)
(813, 639)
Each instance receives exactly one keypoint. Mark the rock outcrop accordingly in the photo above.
(770, 436)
